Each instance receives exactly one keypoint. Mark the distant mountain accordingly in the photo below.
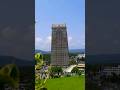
(71, 51)
(77, 50)
(10, 59)
(103, 59)
(41, 51)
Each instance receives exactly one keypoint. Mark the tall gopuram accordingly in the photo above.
(59, 47)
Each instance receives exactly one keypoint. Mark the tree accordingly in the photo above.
(9, 75)
(79, 72)
(72, 62)
(55, 70)
(38, 60)
(59, 70)
(75, 70)
(82, 59)
(47, 58)
(39, 83)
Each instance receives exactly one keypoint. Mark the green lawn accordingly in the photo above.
(66, 83)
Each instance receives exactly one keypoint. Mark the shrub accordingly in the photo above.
(55, 70)
(75, 70)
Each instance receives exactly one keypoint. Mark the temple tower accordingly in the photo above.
(59, 47)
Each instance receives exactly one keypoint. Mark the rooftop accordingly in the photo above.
(58, 25)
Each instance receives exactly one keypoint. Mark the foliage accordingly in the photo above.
(82, 59)
(72, 62)
(47, 58)
(38, 60)
(75, 70)
(39, 83)
(9, 75)
(55, 70)
(73, 54)
(79, 72)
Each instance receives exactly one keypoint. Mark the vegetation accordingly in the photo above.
(39, 83)
(75, 70)
(47, 58)
(55, 81)
(82, 59)
(66, 83)
(72, 62)
(55, 71)
(73, 54)
(9, 75)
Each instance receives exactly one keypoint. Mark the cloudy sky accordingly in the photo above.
(103, 27)
(48, 12)
(16, 28)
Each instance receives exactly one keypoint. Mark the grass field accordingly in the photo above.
(66, 83)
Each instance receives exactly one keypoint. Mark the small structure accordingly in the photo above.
(81, 55)
(81, 66)
(67, 71)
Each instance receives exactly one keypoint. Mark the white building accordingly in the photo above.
(69, 69)
(81, 55)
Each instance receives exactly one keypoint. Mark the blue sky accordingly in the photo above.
(70, 12)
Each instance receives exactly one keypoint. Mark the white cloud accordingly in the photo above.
(70, 39)
(45, 43)
(38, 39)
(76, 43)
(48, 40)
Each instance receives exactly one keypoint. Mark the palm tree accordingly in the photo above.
(9, 75)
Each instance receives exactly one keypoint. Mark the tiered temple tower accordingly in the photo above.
(59, 47)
